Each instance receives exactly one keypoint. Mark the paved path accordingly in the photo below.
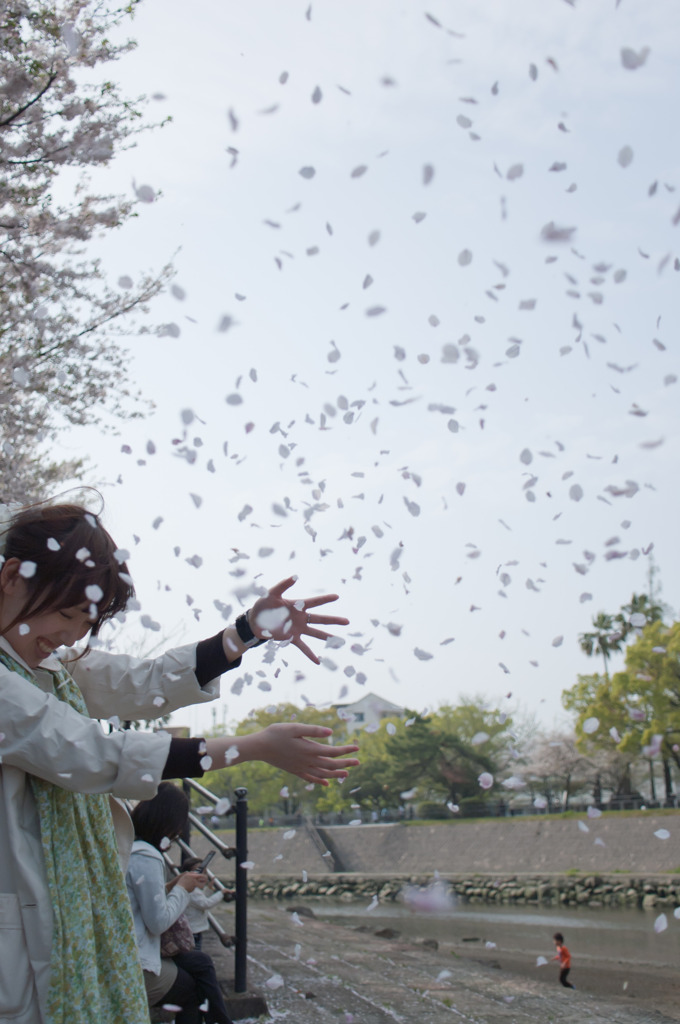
(339, 975)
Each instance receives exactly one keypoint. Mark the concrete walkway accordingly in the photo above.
(312, 972)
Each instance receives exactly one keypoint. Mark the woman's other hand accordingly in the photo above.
(293, 747)
(276, 617)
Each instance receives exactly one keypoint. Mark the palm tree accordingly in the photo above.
(639, 604)
(604, 639)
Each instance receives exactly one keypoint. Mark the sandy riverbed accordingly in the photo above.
(313, 971)
(649, 987)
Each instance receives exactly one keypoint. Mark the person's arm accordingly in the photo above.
(156, 686)
(286, 745)
(140, 688)
(159, 910)
(133, 688)
(46, 737)
(200, 901)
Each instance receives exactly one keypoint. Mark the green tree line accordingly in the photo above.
(470, 758)
(435, 759)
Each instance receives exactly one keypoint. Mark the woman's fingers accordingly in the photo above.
(309, 730)
(331, 767)
(328, 620)
(282, 586)
(320, 776)
(330, 771)
(307, 651)
(325, 750)
(316, 633)
(327, 773)
(314, 602)
(313, 778)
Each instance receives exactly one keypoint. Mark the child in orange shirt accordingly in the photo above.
(564, 957)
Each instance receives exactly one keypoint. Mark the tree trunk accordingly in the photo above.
(652, 785)
(625, 786)
(597, 791)
(668, 780)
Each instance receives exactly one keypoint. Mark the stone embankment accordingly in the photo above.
(615, 860)
(612, 844)
(532, 890)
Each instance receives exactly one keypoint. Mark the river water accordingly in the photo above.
(606, 935)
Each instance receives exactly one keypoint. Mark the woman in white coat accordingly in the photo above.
(67, 947)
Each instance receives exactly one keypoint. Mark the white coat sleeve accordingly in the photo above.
(134, 688)
(46, 737)
(158, 909)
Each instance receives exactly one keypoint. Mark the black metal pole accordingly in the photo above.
(186, 834)
(241, 950)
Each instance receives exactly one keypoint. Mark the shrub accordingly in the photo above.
(431, 809)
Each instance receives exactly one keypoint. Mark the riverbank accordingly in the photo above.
(662, 891)
(311, 970)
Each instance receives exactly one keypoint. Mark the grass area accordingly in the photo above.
(565, 815)
(662, 812)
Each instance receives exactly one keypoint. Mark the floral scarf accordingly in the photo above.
(95, 976)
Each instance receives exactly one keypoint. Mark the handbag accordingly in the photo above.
(178, 938)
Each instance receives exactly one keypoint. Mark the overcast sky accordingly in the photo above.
(426, 405)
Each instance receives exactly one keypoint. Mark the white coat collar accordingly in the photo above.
(141, 846)
(51, 663)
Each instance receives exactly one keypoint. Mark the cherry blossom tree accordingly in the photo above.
(557, 770)
(61, 359)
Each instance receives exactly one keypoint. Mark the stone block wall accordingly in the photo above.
(613, 843)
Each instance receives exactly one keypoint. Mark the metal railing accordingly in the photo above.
(240, 810)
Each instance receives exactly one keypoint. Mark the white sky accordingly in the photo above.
(392, 86)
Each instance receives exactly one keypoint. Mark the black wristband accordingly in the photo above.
(184, 758)
(245, 633)
(211, 660)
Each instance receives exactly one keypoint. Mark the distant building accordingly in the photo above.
(367, 712)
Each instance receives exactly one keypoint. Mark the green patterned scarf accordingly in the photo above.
(95, 975)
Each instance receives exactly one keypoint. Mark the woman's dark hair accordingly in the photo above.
(71, 550)
(558, 937)
(163, 817)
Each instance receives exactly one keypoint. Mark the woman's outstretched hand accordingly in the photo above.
(292, 746)
(276, 617)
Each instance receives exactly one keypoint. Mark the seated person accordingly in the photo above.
(187, 980)
(200, 904)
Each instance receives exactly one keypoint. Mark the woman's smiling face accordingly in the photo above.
(35, 637)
